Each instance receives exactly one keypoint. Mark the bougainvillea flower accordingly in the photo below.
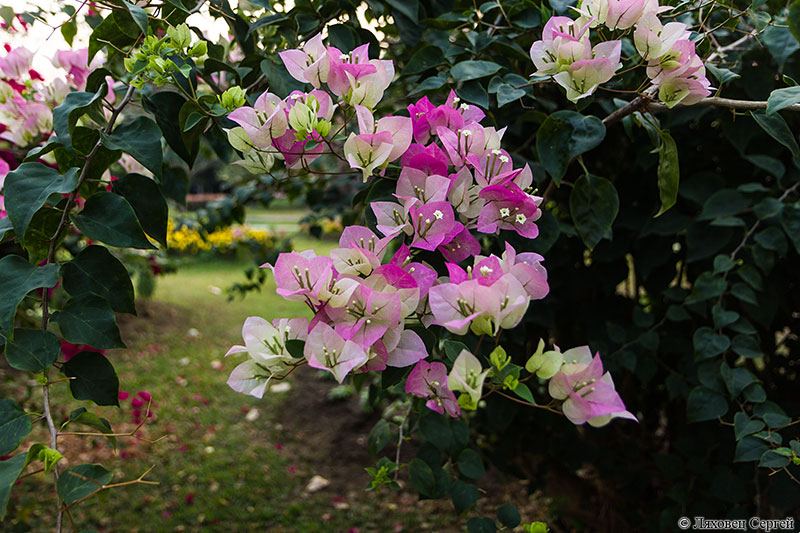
(364, 238)
(414, 183)
(265, 342)
(309, 65)
(325, 349)
(263, 122)
(250, 378)
(429, 380)
(654, 39)
(303, 276)
(16, 63)
(408, 350)
(392, 218)
(430, 159)
(586, 391)
(508, 207)
(368, 151)
(461, 143)
(563, 43)
(434, 224)
(463, 245)
(527, 268)
(356, 64)
(467, 376)
(583, 77)
(75, 62)
(367, 315)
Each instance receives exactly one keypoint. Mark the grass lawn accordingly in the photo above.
(225, 461)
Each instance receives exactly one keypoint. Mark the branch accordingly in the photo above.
(716, 101)
(634, 105)
(721, 51)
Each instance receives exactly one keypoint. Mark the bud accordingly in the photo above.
(130, 64)
(544, 364)
(535, 527)
(233, 98)
(498, 358)
(302, 118)
(180, 36)
(466, 402)
(200, 48)
(323, 127)
(510, 382)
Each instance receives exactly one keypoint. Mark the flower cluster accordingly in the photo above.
(565, 51)
(188, 240)
(421, 266)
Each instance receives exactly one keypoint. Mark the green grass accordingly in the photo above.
(216, 470)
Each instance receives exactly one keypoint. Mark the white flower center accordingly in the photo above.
(344, 57)
(438, 214)
(521, 219)
(464, 107)
(466, 133)
(503, 159)
(496, 152)
(504, 212)
(485, 271)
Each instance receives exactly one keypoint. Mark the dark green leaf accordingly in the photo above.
(705, 404)
(474, 93)
(141, 138)
(9, 472)
(96, 271)
(723, 203)
(148, 203)
(708, 344)
(452, 349)
(94, 378)
(68, 30)
(593, 204)
(15, 424)
(508, 515)
(379, 437)
(83, 417)
(342, 37)
(783, 98)
(88, 319)
(268, 20)
(772, 414)
(744, 293)
(75, 105)
(18, 278)
(777, 128)
(743, 425)
(565, 135)
(138, 15)
(722, 75)
(668, 172)
(749, 449)
(421, 477)
(780, 43)
(736, 379)
(790, 220)
(109, 218)
(425, 58)
(166, 107)
(470, 464)
(27, 189)
(481, 525)
(507, 94)
(723, 318)
(436, 429)
(794, 19)
(777, 458)
(473, 70)
(409, 8)
(430, 84)
(295, 348)
(80, 481)
(706, 287)
(524, 392)
(33, 350)
(464, 495)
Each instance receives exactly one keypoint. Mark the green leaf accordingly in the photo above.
(706, 287)
(69, 30)
(481, 525)
(794, 19)
(790, 221)
(722, 203)
(744, 293)
(594, 205)
(268, 20)
(33, 350)
(783, 98)
(565, 135)
(15, 424)
(470, 464)
(736, 379)
(141, 138)
(409, 8)
(80, 481)
(9, 472)
(464, 495)
(425, 58)
(40, 452)
(722, 75)
(453, 348)
(109, 218)
(780, 43)
(138, 15)
(772, 414)
(166, 107)
(749, 449)
(85, 418)
(96, 271)
(723, 318)
(508, 515)
(342, 36)
(148, 203)
(88, 319)
(436, 429)
(743, 425)
(94, 378)
(75, 105)
(421, 477)
(507, 94)
(668, 172)
(777, 128)
(524, 392)
(473, 70)
(705, 404)
(27, 189)
(775, 458)
(430, 84)
(17, 279)
(474, 93)
(379, 437)
(708, 344)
